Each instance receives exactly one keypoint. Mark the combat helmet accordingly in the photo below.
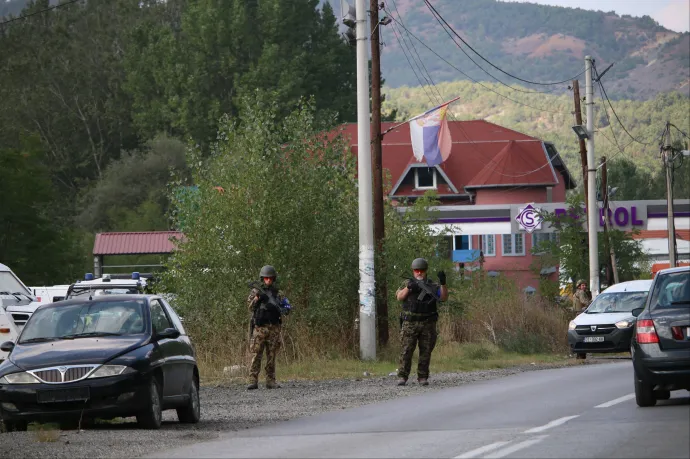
(268, 271)
(420, 263)
(580, 282)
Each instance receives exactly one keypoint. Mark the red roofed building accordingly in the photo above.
(489, 167)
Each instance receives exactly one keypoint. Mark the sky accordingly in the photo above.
(672, 14)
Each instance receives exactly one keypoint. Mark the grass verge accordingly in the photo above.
(447, 357)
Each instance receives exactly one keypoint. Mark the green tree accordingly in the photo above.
(34, 239)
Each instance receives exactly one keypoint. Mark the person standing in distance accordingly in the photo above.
(419, 318)
(581, 298)
(267, 308)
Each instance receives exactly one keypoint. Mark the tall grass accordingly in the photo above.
(484, 318)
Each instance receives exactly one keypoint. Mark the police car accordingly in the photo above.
(109, 284)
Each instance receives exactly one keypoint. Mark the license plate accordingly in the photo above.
(594, 339)
(78, 394)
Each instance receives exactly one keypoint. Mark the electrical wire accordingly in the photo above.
(38, 12)
(527, 91)
(614, 111)
(470, 78)
(431, 7)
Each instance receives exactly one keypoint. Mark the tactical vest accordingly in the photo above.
(267, 313)
(421, 305)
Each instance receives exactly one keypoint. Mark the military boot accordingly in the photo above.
(253, 385)
(402, 381)
(272, 385)
(423, 382)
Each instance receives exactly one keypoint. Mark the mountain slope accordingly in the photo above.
(535, 42)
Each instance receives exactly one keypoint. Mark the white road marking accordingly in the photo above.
(616, 401)
(517, 447)
(551, 424)
(484, 449)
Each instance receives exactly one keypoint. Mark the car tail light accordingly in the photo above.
(646, 333)
(4, 330)
(677, 333)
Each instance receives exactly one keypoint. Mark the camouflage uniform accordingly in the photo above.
(265, 336)
(581, 300)
(417, 328)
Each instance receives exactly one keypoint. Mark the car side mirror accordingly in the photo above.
(637, 311)
(168, 333)
(7, 346)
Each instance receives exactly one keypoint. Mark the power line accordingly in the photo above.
(469, 77)
(39, 12)
(614, 111)
(434, 13)
(489, 62)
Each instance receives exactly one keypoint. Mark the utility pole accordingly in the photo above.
(367, 284)
(606, 210)
(583, 149)
(668, 166)
(377, 167)
(592, 210)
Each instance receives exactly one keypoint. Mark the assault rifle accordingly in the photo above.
(424, 287)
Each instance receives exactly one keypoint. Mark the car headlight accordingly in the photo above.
(111, 370)
(625, 323)
(571, 325)
(19, 378)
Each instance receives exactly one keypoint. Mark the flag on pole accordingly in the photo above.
(430, 135)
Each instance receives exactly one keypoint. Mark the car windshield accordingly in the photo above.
(671, 291)
(10, 285)
(93, 318)
(98, 291)
(617, 302)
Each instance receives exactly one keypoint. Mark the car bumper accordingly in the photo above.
(123, 395)
(654, 365)
(617, 340)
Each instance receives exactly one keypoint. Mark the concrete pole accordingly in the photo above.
(671, 224)
(592, 209)
(367, 286)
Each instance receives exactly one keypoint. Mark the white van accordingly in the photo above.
(13, 292)
(606, 326)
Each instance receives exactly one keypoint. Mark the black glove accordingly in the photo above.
(262, 297)
(412, 286)
(442, 277)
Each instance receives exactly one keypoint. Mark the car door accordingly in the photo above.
(186, 352)
(669, 308)
(169, 349)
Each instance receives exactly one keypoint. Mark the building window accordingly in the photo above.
(513, 244)
(489, 245)
(463, 242)
(543, 239)
(425, 178)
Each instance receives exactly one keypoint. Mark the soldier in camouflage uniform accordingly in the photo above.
(267, 308)
(581, 297)
(418, 320)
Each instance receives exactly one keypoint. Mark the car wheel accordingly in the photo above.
(15, 426)
(662, 394)
(581, 356)
(191, 413)
(644, 393)
(152, 416)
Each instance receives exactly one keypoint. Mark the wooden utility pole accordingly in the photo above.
(377, 171)
(611, 265)
(583, 148)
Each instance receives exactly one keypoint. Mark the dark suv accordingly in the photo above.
(660, 346)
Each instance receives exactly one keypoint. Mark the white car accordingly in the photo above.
(606, 326)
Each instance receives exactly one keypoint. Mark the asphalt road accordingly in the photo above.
(582, 412)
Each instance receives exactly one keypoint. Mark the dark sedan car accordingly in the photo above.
(661, 343)
(111, 356)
